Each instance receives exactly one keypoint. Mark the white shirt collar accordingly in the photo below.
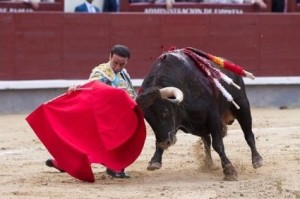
(90, 7)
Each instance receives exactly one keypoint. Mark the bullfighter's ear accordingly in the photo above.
(146, 99)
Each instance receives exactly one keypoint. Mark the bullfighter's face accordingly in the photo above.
(117, 63)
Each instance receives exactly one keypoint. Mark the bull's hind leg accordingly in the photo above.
(156, 161)
(243, 115)
(215, 127)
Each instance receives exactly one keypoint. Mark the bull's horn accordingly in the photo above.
(169, 92)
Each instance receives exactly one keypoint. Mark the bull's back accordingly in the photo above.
(179, 70)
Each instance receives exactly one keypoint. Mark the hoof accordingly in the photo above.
(230, 173)
(153, 166)
(257, 163)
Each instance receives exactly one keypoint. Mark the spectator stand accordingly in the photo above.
(7, 6)
(293, 6)
(192, 8)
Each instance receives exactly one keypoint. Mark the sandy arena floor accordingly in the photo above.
(24, 175)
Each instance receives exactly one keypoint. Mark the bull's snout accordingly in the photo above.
(171, 140)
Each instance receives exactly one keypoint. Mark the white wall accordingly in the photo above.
(71, 4)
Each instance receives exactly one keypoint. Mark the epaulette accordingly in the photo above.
(106, 71)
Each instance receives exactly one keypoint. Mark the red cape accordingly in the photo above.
(94, 124)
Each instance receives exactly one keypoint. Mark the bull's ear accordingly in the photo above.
(146, 99)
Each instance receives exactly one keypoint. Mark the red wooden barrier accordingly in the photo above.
(69, 45)
(293, 6)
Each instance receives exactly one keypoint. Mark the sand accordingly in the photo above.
(23, 173)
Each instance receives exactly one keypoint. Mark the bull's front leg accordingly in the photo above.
(156, 161)
(215, 128)
(228, 168)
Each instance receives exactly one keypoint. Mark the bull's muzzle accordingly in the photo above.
(171, 140)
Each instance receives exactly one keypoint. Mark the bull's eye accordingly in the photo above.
(165, 113)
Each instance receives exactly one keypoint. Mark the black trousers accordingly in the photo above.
(278, 5)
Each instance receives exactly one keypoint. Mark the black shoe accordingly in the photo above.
(114, 174)
(50, 163)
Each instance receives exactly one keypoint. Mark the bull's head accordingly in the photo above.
(161, 109)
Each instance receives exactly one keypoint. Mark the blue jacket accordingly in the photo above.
(110, 6)
(83, 8)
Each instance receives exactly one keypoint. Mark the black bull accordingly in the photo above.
(203, 112)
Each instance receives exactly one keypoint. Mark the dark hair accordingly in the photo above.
(120, 50)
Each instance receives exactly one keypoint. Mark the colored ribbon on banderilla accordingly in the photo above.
(223, 63)
(214, 74)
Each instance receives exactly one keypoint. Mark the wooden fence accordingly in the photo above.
(69, 45)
